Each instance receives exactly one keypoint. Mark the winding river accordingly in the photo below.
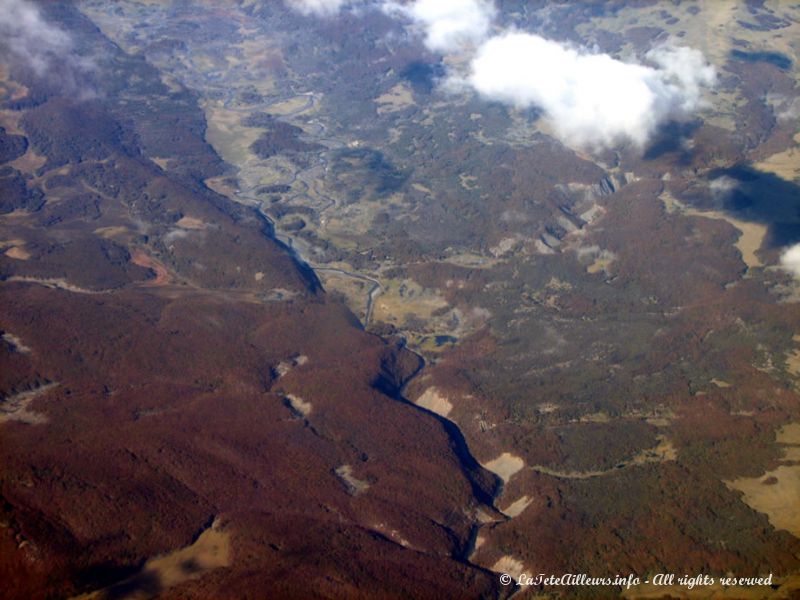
(299, 248)
(301, 251)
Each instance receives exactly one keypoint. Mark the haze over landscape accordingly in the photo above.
(399, 298)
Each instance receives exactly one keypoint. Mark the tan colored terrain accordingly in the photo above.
(397, 98)
(784, 164)
(299, 406)
(191, 223)
(144, 260)
(18, 252)
(15, 408)
(434, 401)
(505, 465)
(751, 236)
(776, 493)
(354, 485)
(212, 550)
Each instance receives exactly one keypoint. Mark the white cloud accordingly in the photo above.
(27, 38)
(791, 112)
(320, 8)
(786, 109)
(448, 25)
(721, 187)
(592, 100)
(687, 69)
(790, 260)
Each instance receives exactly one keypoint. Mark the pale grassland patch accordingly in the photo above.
(751, 235)
(505, 465)
(397, 98)
(29, 162)
(433, 400)
(15, 407)
(112, 231)
(401, 298)
(222, 185)
(776, 493)
(292, 106)
(298, 406)
(602, 262)
(227, 135)
(191, 223)
(468, 182)
(9, 120)
(517, 507)
(18, 252)
(211, 550)
(785, 165)
(353, 485)
(161, 161)
(509, 564)
(17, 345)
(55, 283)
(504, 246)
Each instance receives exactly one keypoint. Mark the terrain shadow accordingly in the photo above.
(670, 138)
(765, 198)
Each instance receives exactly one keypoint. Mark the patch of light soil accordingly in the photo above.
(517, 507)
(18, 252)
(60, 284)
(392, 534)
(505, 466)
(15, 343)
(298, 406)
(397, 98)
(751, 235)
(776, 493)
(785, 165)
(509, 564)
(190, 223)
(212, 550)
(285, 366)
(434, 401)
(15, 407)
(353, 485)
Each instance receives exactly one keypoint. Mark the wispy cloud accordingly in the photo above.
(790, 260)
(721, 187)
(27, 38)
(447, 26)
(786, 109)
(320, 8)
